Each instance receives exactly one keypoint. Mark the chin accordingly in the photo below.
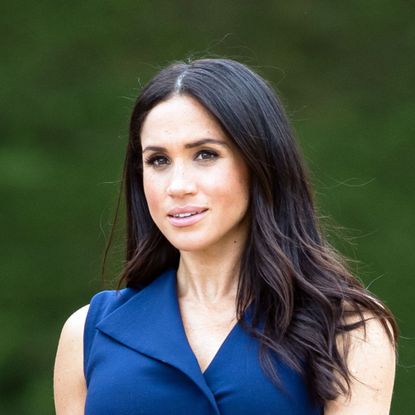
(189, 244)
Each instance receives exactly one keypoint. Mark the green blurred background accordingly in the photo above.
(69, 72)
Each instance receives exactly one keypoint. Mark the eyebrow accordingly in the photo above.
(193, 144)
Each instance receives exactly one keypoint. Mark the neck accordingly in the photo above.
(209, 277)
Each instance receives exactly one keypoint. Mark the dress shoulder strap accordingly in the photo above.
(102, 304)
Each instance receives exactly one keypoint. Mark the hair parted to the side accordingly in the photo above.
(300, 288)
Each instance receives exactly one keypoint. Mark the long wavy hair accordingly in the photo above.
(300, 287)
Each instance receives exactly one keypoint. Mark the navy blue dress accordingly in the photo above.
(137, 360)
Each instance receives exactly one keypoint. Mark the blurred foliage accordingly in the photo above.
(69, 74)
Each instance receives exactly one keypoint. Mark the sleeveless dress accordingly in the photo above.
(137, 360)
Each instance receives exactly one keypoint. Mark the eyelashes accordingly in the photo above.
(158, 160)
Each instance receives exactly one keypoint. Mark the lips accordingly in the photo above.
(186, 216)
(186, 209)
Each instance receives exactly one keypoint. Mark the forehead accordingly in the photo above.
(177, 120)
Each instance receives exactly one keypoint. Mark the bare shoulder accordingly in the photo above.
(68, 381)
(74, 325)
(371, 361)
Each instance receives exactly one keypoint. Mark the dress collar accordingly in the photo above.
(150, 323)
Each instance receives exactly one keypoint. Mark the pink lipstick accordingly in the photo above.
(186, 215)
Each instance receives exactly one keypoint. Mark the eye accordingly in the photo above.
(206, 155)
(157, 161)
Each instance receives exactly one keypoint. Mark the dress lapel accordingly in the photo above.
(150, 323)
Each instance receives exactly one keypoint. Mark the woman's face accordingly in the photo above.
(195, 181)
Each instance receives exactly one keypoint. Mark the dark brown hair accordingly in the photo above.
(300, 288)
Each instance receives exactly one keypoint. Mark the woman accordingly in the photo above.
(235, 303)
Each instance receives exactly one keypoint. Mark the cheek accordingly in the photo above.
(238, 182)
(230, 187)
(153, 192)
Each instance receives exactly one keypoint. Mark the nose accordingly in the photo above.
(182, 182)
